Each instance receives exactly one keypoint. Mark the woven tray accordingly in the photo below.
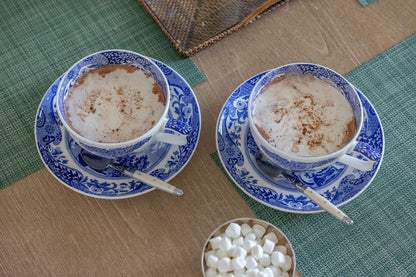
(192, 25)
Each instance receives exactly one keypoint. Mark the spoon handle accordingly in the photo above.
(319, 199)
(149, 179)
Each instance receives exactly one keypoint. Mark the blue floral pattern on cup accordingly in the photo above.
(291, 162)
(116, 56)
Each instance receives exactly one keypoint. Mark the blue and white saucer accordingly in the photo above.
(338, 183)
(60, 153)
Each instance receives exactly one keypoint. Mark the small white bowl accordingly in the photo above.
(282, 239)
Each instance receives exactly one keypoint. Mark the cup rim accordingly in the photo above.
(122, 144)
(288, 155)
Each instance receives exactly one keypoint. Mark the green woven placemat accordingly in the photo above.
(383, 240)
(39, 40)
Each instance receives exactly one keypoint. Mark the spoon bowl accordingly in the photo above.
(95, 162)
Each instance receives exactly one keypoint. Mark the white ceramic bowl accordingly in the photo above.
(282, 239)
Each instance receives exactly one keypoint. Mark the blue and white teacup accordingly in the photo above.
(294, 162)
(156, 133)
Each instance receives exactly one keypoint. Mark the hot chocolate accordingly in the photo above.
(114, 103)
(303, 115)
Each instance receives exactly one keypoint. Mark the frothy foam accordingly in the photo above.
(114, 103)
(303, 115)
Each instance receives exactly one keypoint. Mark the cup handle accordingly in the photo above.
(181, 129)
(365, 149)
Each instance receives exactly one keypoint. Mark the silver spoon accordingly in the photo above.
(274, 171)
(100, 163)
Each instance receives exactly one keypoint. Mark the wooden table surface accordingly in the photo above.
(50, 230)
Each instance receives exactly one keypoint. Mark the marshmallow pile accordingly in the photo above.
(246, 251)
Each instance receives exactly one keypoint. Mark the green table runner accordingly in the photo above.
(383, 240)
(39, 40)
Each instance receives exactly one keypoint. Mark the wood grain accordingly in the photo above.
(50, 230)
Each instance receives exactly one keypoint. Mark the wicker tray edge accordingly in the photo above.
(189, 52)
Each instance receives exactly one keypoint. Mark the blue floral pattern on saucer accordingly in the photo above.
(61, 154)
(338, 183)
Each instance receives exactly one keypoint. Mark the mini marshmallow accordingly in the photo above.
(281, 248)
(265, 260)
(271, 236)
(268, 246)
(250, 236)
(225, 265)
(259, 242)
(211, 272)
(212, 261)
(259, 230)
(238, 263)
(257, 251)
(261, 274)
(240, 273)
(245, 229)
(239, 252)
(288, 263)
(210, 252)
(225, 244)
(221, 253)
(250, 262)
(267, 272)
(276, 270)
(215, 242)
(233, 230)
(230, 251)
(238, 241)
(252, 272)
(249, 244)
(278, 258)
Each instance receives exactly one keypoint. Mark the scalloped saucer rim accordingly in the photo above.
(249, 170)
(66, 144)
